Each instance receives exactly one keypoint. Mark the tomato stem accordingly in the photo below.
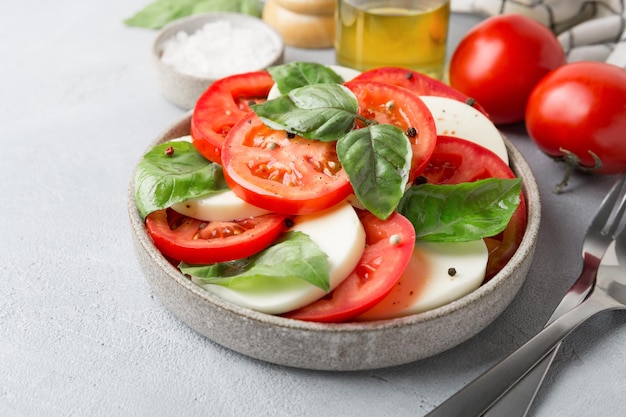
(572, 162)
(569, 168)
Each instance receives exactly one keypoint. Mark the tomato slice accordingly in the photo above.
(420, 84)
(222, 105)
(503, 246)
(198, 242)
(390, 104)
(290, 175)
(389, 246)
(458, 160)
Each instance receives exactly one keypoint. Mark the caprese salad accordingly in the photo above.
(321, 194)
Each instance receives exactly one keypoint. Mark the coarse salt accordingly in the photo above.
(217, 50)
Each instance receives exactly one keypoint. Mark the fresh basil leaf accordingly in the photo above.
(323, 112)
(294, 258)
(299, 74)
(251, 7)
(461, 212)
(173, 172)
(161, 12)
(377, 160)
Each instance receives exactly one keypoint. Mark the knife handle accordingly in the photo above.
(479, 395)
(517, 401)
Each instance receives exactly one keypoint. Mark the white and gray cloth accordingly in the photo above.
(588, 30)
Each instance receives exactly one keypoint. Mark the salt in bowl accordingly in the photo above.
(192, 52)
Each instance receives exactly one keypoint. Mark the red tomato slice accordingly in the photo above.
(503, 246)
(407, 111)
(198, 242)
(222, 105)
(389, 245)
(284, 175)
(420, 84)
(458, 160)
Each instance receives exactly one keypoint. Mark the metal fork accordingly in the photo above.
(517, 400)
(582, 301)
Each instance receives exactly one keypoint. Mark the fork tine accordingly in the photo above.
(620, 247)
(602, 217)
(615, 227)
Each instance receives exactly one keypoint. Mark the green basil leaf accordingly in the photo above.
(377, 160)
(161, 12)
(323, 112)
(462, 212)
(164, 178)
(251, 7)
(299, 74)
(294, 258)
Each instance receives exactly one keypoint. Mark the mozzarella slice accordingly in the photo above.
(344, 72)
(338, 232)
(222, 207)
(455, 118)
(186, 138)
(427, 282)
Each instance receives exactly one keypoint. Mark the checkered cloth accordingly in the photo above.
(588, 30)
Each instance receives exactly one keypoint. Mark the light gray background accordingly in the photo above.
(82, 334)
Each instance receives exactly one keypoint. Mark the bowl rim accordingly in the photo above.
(526, 248)
(194, 22)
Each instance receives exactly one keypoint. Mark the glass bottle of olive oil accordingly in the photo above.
(406, 33)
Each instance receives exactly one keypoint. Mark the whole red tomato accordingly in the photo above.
(578, 112)
(499, 62)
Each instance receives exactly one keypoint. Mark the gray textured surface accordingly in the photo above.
(82, 334)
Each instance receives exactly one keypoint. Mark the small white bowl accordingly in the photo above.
(183, 89)
(336, 346)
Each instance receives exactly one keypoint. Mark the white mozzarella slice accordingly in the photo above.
(186, 138)
(338, 232)
(344, 72)
(221, 207)
(427, 282)
(455, 118)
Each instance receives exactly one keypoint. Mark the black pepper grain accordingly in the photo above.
(411, 132)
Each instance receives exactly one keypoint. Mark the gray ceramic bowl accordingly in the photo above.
(344, 346)
(182, 89)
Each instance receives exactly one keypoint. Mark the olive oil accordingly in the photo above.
(410, 33)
